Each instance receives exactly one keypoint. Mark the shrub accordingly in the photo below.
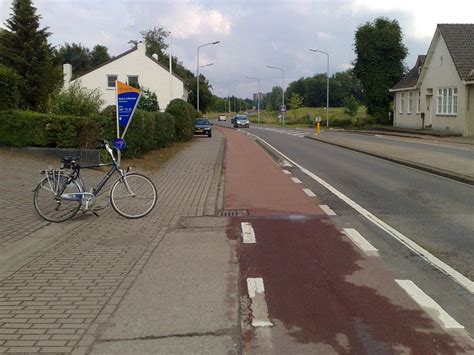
(75, 101)
(24, 128)
(165, 131)
(184, 115)
(148, 101)
(10, 82)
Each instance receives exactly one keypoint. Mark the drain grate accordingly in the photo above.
(234, 213)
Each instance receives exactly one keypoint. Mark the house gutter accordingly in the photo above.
(403, 89)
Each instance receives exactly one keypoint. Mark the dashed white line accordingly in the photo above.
(286, 164)
(327, 210)
(286, 172)
(296, 180)
(309, 193)
(422, 252)
(248, 234)
(429, 305)
(367, 248)
(259, 307)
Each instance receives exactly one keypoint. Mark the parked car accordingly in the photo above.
(202, 127)
(241, 121)
(221, 118)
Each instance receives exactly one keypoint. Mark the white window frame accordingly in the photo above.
(410, 102)
(116, 78)
(418, 102)
(447, 101)
(402, 102)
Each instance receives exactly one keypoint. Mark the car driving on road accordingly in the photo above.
(202, 127)
(241, 121)
(221, 118)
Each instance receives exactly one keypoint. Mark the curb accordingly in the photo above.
(447, 174)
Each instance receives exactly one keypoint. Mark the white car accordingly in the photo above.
(221, 118)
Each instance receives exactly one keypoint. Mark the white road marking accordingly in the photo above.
(411, 245)
(259, 305)
(248, 234)
(286, 164)
(286, 172)
(327, 210)
(309, 193)
(296, 180)
(429, 305)
(361, 242)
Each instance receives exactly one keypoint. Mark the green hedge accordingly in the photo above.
(148, 130)
(184, 115)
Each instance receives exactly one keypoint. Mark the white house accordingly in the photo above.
(132, 66)
(438, 93)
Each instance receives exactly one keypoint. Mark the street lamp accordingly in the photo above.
(282, 89)
(197, 70)
(258, 95)
(327, 84)
(171, 70)
(206, 65)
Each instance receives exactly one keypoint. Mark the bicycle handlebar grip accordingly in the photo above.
(102, 143)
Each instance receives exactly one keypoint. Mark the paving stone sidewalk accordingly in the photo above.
(55, 299)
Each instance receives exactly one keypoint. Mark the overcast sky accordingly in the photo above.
(252, 33)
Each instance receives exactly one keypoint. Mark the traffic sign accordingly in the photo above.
(317, 119)
(282, 108)
(119, 143)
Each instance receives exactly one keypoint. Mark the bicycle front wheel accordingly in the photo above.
(133, 196)
(51, 207)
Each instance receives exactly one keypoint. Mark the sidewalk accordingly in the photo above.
(453, 167)
(165, 283)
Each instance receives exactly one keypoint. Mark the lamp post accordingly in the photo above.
(258, 95)
(197, 70)
(171, 70)
(282, 89)
(327, 84)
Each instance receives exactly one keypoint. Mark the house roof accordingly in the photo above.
(123, 55)
(459, 39)
(411, 78)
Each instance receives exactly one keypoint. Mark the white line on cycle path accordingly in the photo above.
(327, 210)
(259, 305)
(361, 242)
(296, 180)
(429, 305)
(286, 172)
(309, 193)
(248, 233)
(411, 245)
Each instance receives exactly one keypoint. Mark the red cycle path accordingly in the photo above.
(323, 295)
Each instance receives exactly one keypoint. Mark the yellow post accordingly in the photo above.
(317, 128)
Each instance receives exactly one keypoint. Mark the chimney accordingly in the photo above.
(67, 73)
(155, 56)
(141, 47)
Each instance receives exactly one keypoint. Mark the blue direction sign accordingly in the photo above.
(119, 143)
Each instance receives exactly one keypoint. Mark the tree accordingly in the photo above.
(75, 54)
(148, 101)
(295, 101)
(205, 94)
(351, 106)
(380, 53)
(25, 49)
(99, 55)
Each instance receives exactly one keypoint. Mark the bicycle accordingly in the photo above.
(62, 192)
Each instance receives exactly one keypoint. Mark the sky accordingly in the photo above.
(252, 33)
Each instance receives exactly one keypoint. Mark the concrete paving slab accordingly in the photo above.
(188, 286)
(178, 345)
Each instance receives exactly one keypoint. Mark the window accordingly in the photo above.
(402, 102)
(132, 80)
(447, 101)
(111, 81)
(410, 102)
(418, 103)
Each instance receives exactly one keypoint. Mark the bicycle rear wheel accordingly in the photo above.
(133, 196)
(52, 208)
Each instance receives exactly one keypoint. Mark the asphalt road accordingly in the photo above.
(435, 212)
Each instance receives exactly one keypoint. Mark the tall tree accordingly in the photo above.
(380, 53)
(26, 50)
(75, 54)
(99, 55)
